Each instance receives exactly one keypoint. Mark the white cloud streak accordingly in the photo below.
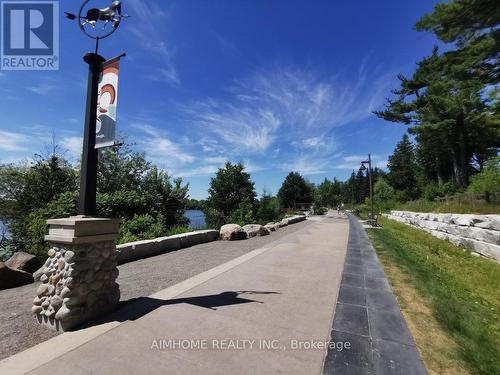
(13, 141)
(149, 19)
(162, 149)
(284, 106)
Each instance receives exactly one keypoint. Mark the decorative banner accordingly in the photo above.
(106, 104)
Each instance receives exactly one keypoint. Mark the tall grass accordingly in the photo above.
(463, 289)
(449, 207)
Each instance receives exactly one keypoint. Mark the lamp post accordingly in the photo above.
(352, 189)
(88, 24)
(370, 170)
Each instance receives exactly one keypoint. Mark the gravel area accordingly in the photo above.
(20, 331)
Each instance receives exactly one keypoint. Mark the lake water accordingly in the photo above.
(196, 218)
(2, 228)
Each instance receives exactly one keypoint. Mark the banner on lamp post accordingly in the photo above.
(106, 104)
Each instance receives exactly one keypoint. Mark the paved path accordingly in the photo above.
(283, 291)
(368, 316)
(268, 311)
(21, 331)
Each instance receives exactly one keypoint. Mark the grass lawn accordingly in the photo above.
(450, 298)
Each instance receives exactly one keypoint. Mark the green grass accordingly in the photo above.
(463, 290)
(449, 207)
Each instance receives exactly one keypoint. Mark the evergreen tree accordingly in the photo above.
(402, 167)
(450, 109)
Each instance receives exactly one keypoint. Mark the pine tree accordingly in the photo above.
(402, 167)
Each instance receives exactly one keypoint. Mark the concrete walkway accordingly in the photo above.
(268, 311)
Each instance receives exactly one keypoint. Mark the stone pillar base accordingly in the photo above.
(79, 277)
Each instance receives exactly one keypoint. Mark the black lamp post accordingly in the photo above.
(370, 170)
(88, 173)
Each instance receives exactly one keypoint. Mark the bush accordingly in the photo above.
(122, 204)
(214, 218)
(29, 232)
(320, 210)
(178, 230)
(432, 190)
(243, 215)
(268, 209)
(141, 227)
(488, 180)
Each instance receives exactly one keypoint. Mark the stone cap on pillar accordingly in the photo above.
(82, 229)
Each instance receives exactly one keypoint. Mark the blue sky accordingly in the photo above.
(279, 85)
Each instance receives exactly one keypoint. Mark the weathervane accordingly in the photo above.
(112, 13)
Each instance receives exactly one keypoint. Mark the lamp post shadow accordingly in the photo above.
(136, 308)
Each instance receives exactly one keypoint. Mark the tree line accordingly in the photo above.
(149, 202)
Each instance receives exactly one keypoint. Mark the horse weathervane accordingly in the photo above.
(93, 16)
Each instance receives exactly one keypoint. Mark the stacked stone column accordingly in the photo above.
(79, 277)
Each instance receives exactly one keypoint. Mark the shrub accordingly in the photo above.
(268, 209)
(214, 218)
(178, 230)
(488, 180)
(140, 227)
(243, 215)
(320, 210)
(31, 231)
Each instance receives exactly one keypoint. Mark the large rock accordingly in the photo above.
(10, 278)
(254, 230)
(232, 232)
(294, 219)
(24, 262)
(271, 226)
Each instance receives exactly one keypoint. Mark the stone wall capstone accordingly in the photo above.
(479, 233)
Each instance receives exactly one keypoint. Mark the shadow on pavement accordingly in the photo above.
(137, 307)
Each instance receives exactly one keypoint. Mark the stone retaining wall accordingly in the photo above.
(142, 249)
(479, 233)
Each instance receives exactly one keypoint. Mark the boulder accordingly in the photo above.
(24, 262)
(282, 223)
(254, 230)
(295, 219)
(232, 232)
(271, 226)
(10, 278)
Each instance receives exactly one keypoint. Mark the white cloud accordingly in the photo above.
(74, 145)
(354, 161)
(13, 141)
(168, 75)
(42, 88)
(160, 148)
(198, 171)
(149, 21)
(284, 104)
(307, 165)
(216, 159)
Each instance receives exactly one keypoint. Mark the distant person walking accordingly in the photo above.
(338, 210)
